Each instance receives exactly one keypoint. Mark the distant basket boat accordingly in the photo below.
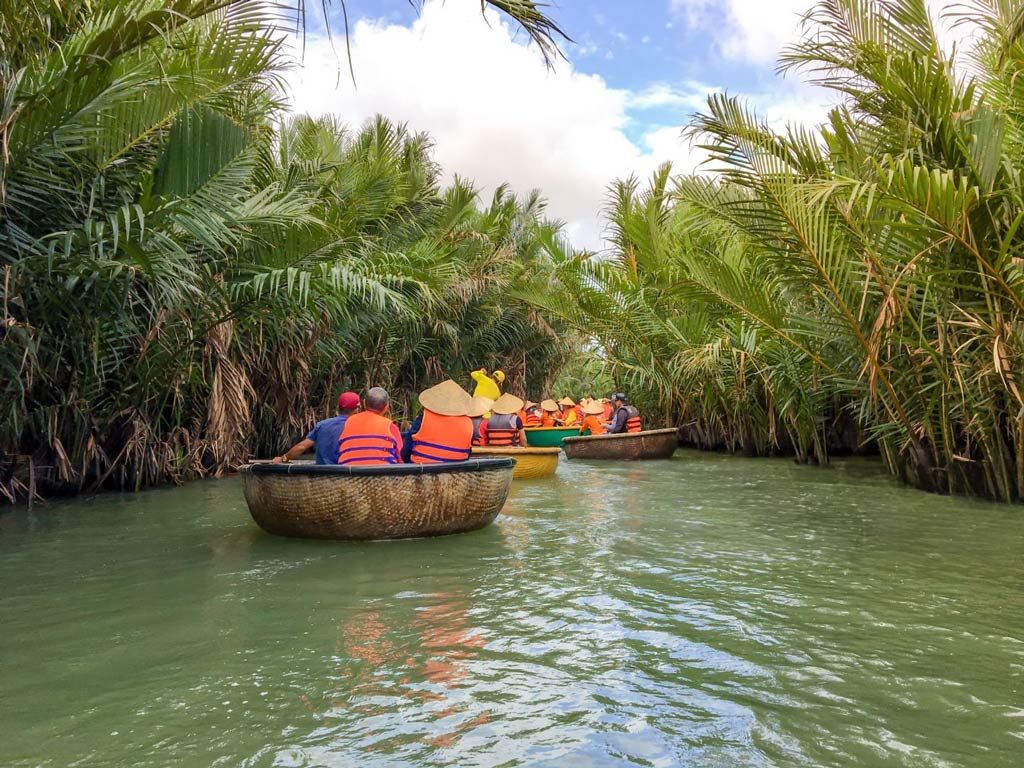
(549, 437)
(388, 501)
(531, 463)
(649, 444)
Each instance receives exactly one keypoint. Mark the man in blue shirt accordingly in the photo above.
(324, 436)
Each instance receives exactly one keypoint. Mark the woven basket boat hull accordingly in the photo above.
(549, 437)
(650, 444)
(376, 502)
(531, 463)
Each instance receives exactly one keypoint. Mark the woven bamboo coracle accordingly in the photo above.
(531, 463)
(376, 502)
(650, 444)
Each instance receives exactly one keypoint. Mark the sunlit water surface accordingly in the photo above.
(705, 611)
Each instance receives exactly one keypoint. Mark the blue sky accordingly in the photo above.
(634, 74)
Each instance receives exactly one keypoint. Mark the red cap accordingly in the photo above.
(348, 400)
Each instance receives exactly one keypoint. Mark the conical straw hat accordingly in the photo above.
(529, 404)
(567, 401)
(480, 406)
(593, 408)
(549, 405)
(446, 399)
(506, 404)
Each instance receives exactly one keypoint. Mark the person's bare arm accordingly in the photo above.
(295, 451)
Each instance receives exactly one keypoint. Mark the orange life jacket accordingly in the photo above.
(593, 424)
(442, 439)
(548, 419)
(533, 419)
(502, 431)
(367, 439)
(608, 411)
(633, 422)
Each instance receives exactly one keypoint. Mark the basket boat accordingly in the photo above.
(649, 444)
(549, 437)
(388, 501)
(530, 462)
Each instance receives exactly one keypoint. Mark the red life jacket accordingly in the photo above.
(442, 439)
(502, 430)
(367, 439)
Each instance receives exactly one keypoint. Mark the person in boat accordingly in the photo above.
(486, 386)
(626, 418)
(504, 429)
(478, 412)
(532, 415)
(569, 415)
(552, 414)
(609, 409)
(370, 437)
(444, 432)
(325, 434)
(592, 413)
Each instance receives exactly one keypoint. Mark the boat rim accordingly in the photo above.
(382, 470)
(623, 435)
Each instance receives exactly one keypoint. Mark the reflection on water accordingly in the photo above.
(704, 611)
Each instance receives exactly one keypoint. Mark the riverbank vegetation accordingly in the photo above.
(827, 290)
(189, 278)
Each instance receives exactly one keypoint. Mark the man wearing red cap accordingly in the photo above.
(324, 436)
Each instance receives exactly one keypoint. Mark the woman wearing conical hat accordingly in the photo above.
(552, 413)
(592, 413)
(485, 385)
(532, 414)
(569, 414)
(504, 428)
(445, 433)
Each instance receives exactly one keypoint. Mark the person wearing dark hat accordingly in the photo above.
(324, 435)
(625, 418)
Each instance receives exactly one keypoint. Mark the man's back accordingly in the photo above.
(326, 434)
(369, 438)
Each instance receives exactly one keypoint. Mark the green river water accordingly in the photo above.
(704, 611)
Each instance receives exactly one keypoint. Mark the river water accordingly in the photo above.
(704, 611)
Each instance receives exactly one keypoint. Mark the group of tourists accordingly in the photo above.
(451, 422)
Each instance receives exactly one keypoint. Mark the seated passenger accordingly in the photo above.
(479, 412)
(504, 429)
(626, 418)
(371, 437)
(552, 415)
(569, 414)
(592, 413)
(446, 431)
(324, 435)
(533, 415)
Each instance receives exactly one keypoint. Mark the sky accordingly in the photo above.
(614, 107)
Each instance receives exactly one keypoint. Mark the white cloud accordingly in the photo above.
(665, 95)
(494, 110)
(758, 30)
(753, 30)
(497, 114)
